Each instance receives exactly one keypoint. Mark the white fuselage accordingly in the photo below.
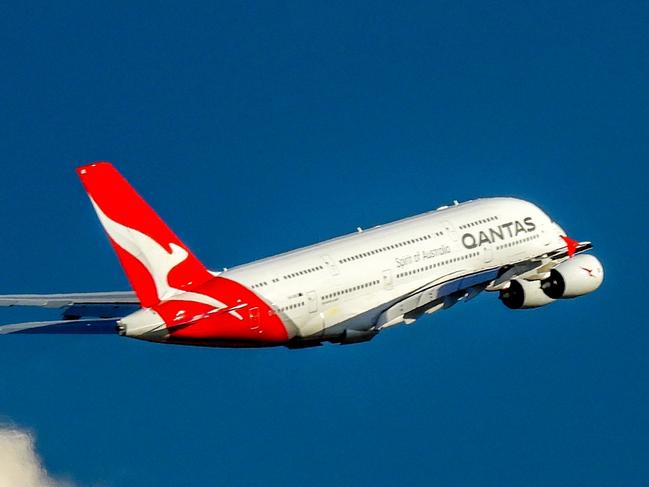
(349, 281)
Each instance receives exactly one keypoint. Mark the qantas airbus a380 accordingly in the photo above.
(344, 290)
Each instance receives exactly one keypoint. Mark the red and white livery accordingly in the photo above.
(344, 290)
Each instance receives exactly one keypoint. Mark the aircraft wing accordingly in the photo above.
(439, 294)
(448, 290)
(537, 266)
(100, 305)
(107, 326)
(574, 248)
(62, 300)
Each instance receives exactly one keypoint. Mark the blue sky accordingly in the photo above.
(255, 128)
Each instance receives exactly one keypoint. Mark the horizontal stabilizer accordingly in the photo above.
(66, 327)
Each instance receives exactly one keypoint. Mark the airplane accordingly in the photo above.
(345, 290)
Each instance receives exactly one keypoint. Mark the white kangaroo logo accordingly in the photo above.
(157, 261)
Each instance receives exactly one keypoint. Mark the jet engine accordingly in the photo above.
(523, 294)
(580, 275)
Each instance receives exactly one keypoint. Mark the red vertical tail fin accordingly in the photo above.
(157, 263)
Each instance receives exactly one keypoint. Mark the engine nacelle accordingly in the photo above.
(574, 277)
(523, 294)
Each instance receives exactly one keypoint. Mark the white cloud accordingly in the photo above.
(20, 465)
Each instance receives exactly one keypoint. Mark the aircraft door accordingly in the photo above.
(449, 228)
(487, 253)
(314, 323)
(253, 313)
(330, 264)
(386, 279)
(312, 301)
(546, 237)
